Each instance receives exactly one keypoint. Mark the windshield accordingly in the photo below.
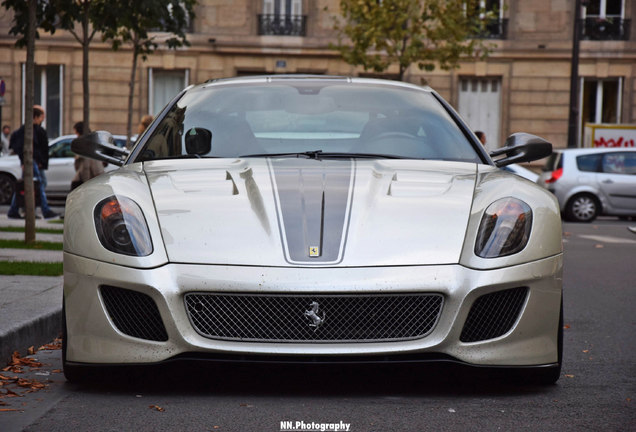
(313, 117)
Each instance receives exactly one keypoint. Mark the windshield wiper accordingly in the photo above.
(318, 154)
(312, 154)
(363, 155)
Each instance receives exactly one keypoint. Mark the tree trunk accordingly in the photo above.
(29, 196)
(132, 92)
(85, 86)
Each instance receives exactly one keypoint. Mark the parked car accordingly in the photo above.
(309, 219)
(522, 172)
(592, 181)
(59, 175)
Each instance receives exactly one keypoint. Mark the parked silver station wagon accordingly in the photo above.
(308, 219)
(592, 181)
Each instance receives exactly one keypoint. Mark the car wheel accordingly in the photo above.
(582, 208)
(7, 186)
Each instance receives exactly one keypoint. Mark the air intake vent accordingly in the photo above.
(134, 313)
(493, 315)
(314, 318)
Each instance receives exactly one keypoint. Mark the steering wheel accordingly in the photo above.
(395, 142)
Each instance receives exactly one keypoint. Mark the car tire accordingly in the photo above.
(7, 187)
(582, 208)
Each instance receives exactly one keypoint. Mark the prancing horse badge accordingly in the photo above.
(314, 251)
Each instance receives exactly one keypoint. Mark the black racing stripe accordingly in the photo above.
(314, 199)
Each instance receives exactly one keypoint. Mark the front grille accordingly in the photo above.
(493, 315)
(134, 313)
(315, 318)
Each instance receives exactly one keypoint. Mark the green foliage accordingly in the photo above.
(39, 245)
(123, 21)
(38, 230)
(45, 17)
(31, 268)
(428, 33)
(68, 13)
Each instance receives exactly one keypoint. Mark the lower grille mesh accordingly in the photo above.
(134, 313)
(493, 315)
(316, 318)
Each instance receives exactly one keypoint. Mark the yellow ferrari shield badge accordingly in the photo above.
(314, 251)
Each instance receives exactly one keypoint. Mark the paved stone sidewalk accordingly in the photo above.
(30, 306)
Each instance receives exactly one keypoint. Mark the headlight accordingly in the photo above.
(504, 228)
(121, 227)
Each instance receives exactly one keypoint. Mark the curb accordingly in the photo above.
(30, 312)
(30, 306)
(37, 332)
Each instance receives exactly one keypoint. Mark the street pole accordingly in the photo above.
(573, 119)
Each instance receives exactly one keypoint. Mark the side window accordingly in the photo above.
(619, 163)
(61, 149)
(630, 163)
(553, 163)
(165, 141)
(589, 163)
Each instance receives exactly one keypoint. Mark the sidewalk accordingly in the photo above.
(30, 306)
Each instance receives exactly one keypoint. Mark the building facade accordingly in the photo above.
(523, 85)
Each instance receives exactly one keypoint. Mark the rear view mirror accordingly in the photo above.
(100, 145)
(198, 141)
(522, 147)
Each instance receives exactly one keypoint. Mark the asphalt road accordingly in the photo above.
(595, 393)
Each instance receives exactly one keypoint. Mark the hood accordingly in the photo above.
(308, 212)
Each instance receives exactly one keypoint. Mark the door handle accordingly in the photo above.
(608, 181)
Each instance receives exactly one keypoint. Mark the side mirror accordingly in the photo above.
(198, 141)
(100, 145)
(522, 147)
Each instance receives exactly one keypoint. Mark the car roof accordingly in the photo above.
(266, 79)
(593, 150)
(73, 136)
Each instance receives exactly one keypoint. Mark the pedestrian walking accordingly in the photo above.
(40, 162)
(4, 138)
(85, 168)
(482, 137)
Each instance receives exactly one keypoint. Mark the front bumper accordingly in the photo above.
(93, 337)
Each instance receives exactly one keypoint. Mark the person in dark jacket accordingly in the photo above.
(40, 161)
(85, 168)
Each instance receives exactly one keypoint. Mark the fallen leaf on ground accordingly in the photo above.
(17, 362)
(31, 384)
(10, 393)
(55, 345)
(156, 408)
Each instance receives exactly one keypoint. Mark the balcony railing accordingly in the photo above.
(600, 29)
(282, 25)
(494, 28)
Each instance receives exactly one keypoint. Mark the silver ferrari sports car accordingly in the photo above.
(308, 219)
